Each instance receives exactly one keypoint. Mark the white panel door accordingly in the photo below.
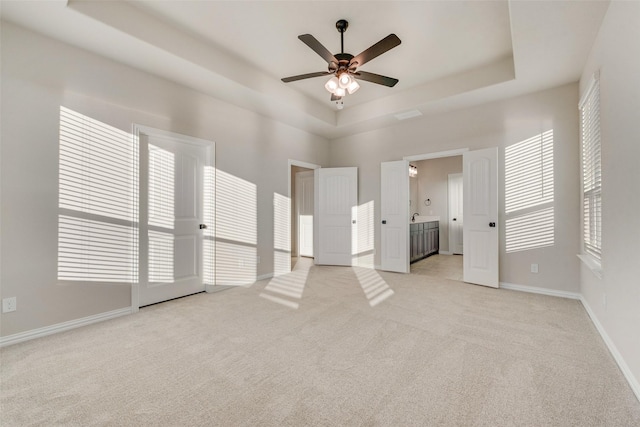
(304, 200)
(394, 209)
(480, 188)
(456, 219)
(336, 199)
(174, 212)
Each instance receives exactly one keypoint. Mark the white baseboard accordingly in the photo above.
(542, 291)
(445, 253)
(264, 276)
(61, 327)
(633, 381)
(217, 288)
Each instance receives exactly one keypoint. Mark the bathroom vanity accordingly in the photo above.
(424, 238)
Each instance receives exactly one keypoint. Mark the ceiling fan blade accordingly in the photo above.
(335, 97)
(318, 48)
(376, 50)
(376, 78)
(305, 76)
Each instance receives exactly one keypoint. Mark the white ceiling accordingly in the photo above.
(453, 53)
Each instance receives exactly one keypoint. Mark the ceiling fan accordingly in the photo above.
(344, 66)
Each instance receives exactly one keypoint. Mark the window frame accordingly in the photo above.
(591, 176)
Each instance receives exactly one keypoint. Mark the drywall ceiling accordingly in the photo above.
(453, 54)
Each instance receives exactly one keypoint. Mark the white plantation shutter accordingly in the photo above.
(591, 169)
(98, 213)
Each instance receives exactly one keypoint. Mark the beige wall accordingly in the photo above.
(615, 299)
(497, 124)
(433, 183)
(40, 75)
(413, 194)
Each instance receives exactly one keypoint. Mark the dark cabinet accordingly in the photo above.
(424, 239)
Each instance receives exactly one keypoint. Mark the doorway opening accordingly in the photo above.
(436, 202)
(301, 194)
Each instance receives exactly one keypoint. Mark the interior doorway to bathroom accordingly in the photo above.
(436, 193)
(301, 194)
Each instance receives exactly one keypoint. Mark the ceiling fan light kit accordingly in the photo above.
(343, 66)
(332, 84)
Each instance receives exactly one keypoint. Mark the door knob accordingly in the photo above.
(455, 219)
(353, 221)
(384, 221)
(203, 226)
(492, 224)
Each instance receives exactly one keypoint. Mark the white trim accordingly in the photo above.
(61, 327)
(437, 155)
(210, 289)
(592, 263)
(298, 163)
(236, 283)
(633, 382)
(135, 295)
(449, 215)
(542, 291)
(147, 130)
(445, 253)
(302, 164)
(290, 164)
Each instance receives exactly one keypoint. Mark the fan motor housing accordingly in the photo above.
(343, 63)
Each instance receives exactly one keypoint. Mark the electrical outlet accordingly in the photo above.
(534, 268)
(9, 304)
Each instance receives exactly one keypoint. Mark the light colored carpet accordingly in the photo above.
(444, 266)
(362, 348)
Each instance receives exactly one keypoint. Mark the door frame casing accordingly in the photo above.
(290, 164)
(460, 176)
(299, 179)
(143, 167)
(436, 155)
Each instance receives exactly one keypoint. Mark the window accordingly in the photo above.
(591, 169)
(529, 193)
